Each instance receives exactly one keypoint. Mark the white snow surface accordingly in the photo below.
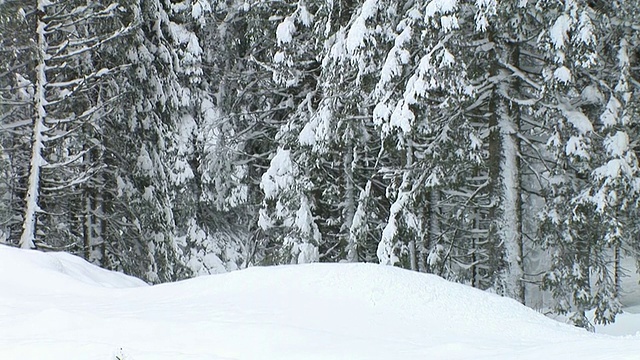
(56, 306)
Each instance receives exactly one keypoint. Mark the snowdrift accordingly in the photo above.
(56, 306)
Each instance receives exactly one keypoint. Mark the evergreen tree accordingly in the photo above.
(152, 156)
(328, 131)
(594, 192)
(60, 97)
(239, 126)
(16, 98)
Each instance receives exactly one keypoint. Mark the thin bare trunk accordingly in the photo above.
(434, 225)
(87, 228)
(27, 239)
(350, 207)
(616, 270)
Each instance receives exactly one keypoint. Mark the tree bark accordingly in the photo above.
(27, 239)
(511, 180)
(350, 201)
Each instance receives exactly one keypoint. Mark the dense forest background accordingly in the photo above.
(493, 143)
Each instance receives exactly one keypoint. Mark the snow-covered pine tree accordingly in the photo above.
(286, 215)
(504, 96)
(422, 85)
(239, 124)
(291, 197)
(212, 243)
(433, 147)
(62, 107)
(594, 193)
(16, 99)
(151, 143)
(616, 175)
(328, 73)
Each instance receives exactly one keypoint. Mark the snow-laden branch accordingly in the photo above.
(121, 32)
(15, 124)
(521, 102)
(61, 17)
(68, 161)
(83, 178)
(79, 83)
(13, 102)
(518, 73)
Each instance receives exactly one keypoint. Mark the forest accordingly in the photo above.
(493, 143)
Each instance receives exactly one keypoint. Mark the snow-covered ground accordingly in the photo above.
(56, 306)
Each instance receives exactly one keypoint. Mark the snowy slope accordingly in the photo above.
(55, 306)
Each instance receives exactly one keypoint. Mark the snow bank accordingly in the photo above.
(55, 306)
(45, 271)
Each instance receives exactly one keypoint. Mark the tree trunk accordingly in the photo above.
(616, 271)
(510, 176)
(434, 226)
(504, 174)
(474, 251)
(413, 256)
(87, 232)
(511, 212)
(350, 201)
(27, 240)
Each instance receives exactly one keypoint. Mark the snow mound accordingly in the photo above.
(27, 267)
(316, 311)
